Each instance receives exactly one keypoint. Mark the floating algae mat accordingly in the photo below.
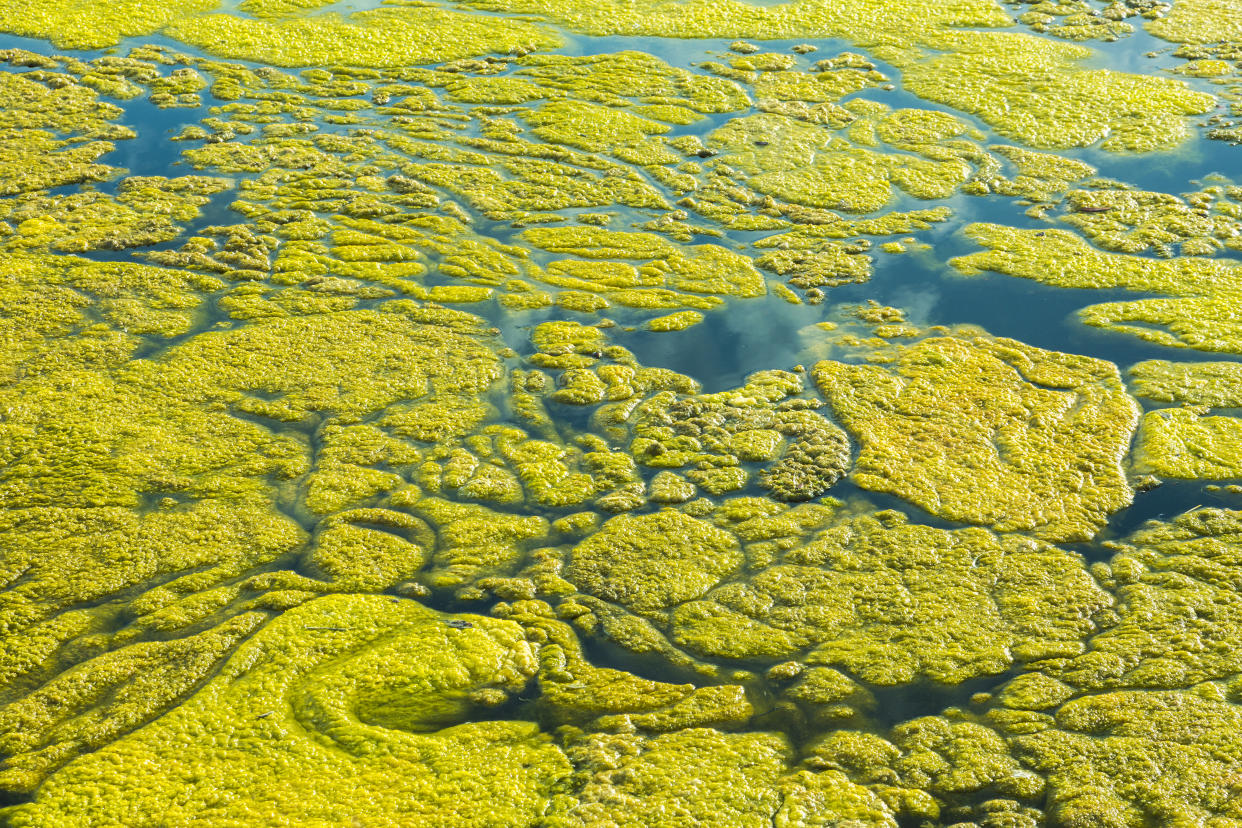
(648, 413)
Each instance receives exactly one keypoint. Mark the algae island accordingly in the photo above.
(662, 413)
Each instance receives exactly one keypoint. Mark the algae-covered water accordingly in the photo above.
(643, 412)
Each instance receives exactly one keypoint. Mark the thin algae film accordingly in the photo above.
(658, 413)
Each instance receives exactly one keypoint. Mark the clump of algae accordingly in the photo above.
(629, 560)
(890, 602)
(1198, 21)
(1040, 450)
(166, 486)
(1211, 384)
(1180, 443)
(765, 420)
(337, 702)
(1079, 21)
(146, 211)
(802, 163)
(73, 24)
(1184, 739)
(53, 134)
(1136, 221)
(1176, 608)
(1155, 688)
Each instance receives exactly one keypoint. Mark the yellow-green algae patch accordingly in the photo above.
(1180, 443)
(1136, 221)
(391, 36)
(676, 321)
(1065, 259)
(936, 768)
(146, 211)
(474, 540)
(890, 602)
(1138, 758)
(589, 127)
(1156, 688)
(1212, 384)
(803, 163)
(1077, 20)
(1028, 88)
(344, 708)
(83, 24)
(269, 9)
(994, 76)
(1040, 176)
(1178, 608)
(735, 779)
(52, 134)
(989, 431)
(649, 562)
(147, 496)
(1199, 21)
(670, 273)
(763, 421)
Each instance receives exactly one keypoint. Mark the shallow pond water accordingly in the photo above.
(648, 430)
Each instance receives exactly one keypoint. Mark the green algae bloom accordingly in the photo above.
(392, 36)
(74, 24)
(1177, 442)
(344, 483)
(1005, 463)
(1212, 384)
